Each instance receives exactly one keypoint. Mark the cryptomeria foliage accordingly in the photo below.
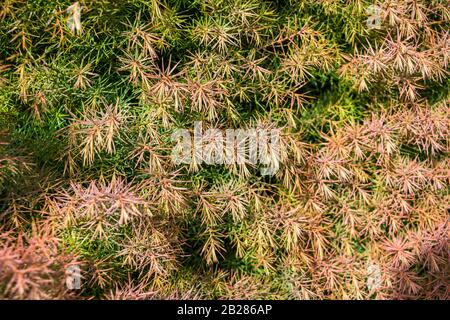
(91, 91)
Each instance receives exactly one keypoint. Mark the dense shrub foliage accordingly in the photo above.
(91, 92)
